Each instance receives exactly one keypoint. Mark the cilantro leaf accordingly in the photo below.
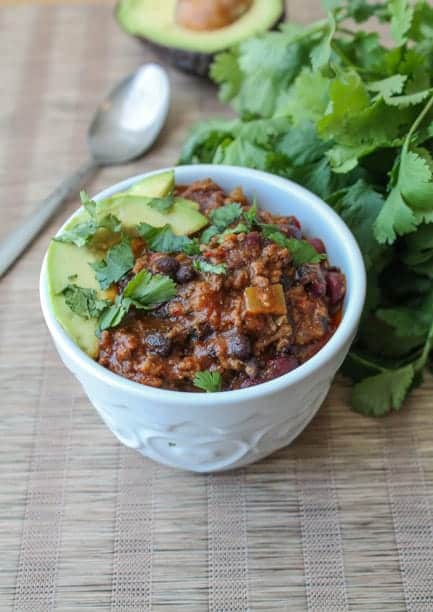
(111, 223)
(250, 215)
(321, 53)
(302, 252)
(113, 316)
(83, 232)
(192, 247)
(162, 205)
(88, 204)
(395, 218)
(403, 321)
(210, 382)
(360, 206)
(201, 265)
(401, 13)
(84, 302)
(225, 215)
(146, 290)
(389, 86)
(119, 260)
(377, 395)
(163, 240)
(415, 179)
(240, 228)
(80, 234)
(301, 144)
(407, 100)
(209, 233)
(225, 70)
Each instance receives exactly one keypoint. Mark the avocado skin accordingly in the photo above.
(191, 62)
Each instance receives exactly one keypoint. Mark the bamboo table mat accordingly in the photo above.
(340, 520)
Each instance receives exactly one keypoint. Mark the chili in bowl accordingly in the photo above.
(205, 310)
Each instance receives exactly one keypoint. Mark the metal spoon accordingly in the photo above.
(123, 127)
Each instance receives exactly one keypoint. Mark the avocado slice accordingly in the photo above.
(67, 263)
(190, 49)
(156, 186)
(183, 217)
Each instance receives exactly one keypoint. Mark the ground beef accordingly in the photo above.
(207, 326)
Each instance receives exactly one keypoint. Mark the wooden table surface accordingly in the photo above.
(340, 520)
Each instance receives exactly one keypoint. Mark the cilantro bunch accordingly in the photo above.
(333, 108)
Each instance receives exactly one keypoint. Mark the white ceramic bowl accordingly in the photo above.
(219, 431)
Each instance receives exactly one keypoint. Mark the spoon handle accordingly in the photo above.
(18, 240)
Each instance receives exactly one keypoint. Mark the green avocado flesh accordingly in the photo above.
(155, 186)
(184, 218)
(68, 264)
(155, 21)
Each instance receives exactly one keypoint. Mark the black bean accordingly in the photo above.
(158, 344)
(211, 350)
(239, 346)
(286, 281)
(185, 274)
(161, 312)
(124, 281)
(167, 265)
(204, 331)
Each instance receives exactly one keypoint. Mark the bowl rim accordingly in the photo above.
(347, 327)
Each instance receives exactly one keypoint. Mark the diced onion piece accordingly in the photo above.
(265, 300)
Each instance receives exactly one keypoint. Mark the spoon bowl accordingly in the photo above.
(129, 120)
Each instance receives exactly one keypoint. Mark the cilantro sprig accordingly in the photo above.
(220, 219)
(163, 240)
(330, 107)
(211, 382)
(145, 291)
(82, 233)
(84, 302)
(118, 261)
(302, 251)
(162, 205)
(202, 265)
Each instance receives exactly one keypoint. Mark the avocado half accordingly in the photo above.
(154, 21)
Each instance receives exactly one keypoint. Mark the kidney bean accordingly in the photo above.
(279, 366)
(254, 243)
(317, 244)
(250, 382)
(336, 286)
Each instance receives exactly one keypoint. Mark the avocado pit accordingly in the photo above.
(208, 15)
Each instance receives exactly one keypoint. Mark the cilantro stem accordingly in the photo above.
(426, 350)
(346, 31)
(342, 55)
(366, 362)
(415, 125)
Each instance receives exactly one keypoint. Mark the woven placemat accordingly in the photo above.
(342, 519)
